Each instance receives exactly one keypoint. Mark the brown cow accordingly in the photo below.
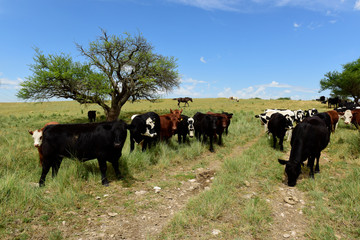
(168, 123)
(334, 117)
(37, 136)
(177, 112)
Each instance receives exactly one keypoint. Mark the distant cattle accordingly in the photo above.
(37, 136)
(205, 126)
(92, 116)
(185, 100)
(103, 141)
(333, 102)
(185, 127)
(309, 138)
(278, 125)
(265, 117)
(144, 127)
(234, 98)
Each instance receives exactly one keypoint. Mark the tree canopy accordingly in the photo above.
(344, 84)
(118, 68)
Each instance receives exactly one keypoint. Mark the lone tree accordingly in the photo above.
(116, 69)
(344, 84)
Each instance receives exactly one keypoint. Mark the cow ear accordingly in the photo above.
(282, 162)
(181, 111)
(171, 111)
(31, 132)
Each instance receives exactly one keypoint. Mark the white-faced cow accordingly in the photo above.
(37, 136)
(278, 125)
(103, 141)
(185, 127)
(144, 127)
(309, 138)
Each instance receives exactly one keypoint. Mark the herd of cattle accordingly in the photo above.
(308, 138)
(105, 140)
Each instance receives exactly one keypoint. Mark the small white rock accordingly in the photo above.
(192, 180)
(106, 195)
(112, 214)
(216, 232)
(141, 192)
(98, 198)
(286, 235)
(157, 189)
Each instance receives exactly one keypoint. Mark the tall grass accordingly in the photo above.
(23, 204)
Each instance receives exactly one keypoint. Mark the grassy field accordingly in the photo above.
(331, 211)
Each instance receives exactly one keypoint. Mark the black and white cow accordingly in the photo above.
(144, 127)
(205, 125)
(185, 127)
(310, 112)
(278, 125)
(309, 138)
(103, 141)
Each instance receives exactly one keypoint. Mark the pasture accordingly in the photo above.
(235, 193)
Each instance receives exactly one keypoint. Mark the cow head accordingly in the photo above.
(347, 116)
(289, 122)
(292, 172)
(177, 112)
(174, 120)
(37, 136)
(150, 128)
(191, 127)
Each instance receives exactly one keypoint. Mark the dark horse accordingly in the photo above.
(184, 100)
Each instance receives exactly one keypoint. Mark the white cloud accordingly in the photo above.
(260, 5)
(357, 5)
(271, 90)
(190, 88)
(9, 84)
(296, 25)
(202, 59)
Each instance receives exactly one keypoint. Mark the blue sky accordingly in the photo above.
(242, 48)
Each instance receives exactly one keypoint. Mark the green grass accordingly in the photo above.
(334, 193)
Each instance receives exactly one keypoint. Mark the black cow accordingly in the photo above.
(205, 124)
(309, 138)
(277, 126)
(92, 116)
(144, 127)
(334, 101)
(326, 118)
(185, 127)
(103, 141)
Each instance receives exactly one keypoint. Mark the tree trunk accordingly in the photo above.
(113, 113)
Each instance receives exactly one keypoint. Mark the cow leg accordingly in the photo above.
(220, 140)
(103, 167)
(179, 138)
(184, 138)
(281, 143)
(45, 169)
(115, 164)
(211, 143)
(56, 166)
(311, 166)
(132, 144)
(145, 144)
(317, 166)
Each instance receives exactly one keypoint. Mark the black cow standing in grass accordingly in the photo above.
(309, 138)
(185, 127)
(92, 116)
(205, 125)
(103, 141)
(277, 126)
(144, 127)
(229, 117)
